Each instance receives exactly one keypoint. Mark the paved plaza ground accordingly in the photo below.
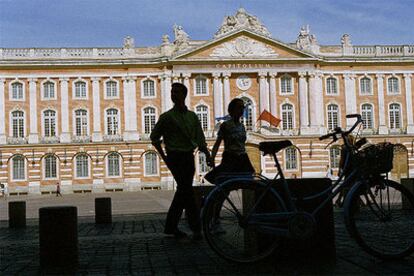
(134, 244)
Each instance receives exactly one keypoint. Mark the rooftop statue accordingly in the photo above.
(129, 42)
(307, 41)
(241, 20)
(181, 37)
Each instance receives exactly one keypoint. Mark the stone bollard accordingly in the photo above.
(17, 214)
(58, 237)
(103, 210)
(409, 184)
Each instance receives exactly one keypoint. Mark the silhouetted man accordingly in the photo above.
(182, 134)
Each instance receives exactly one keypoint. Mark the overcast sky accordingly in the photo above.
(104, 23)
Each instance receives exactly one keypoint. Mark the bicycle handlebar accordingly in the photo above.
(338, 130)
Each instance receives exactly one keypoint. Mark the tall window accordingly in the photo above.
(111, 89)
(286, 85)
(112, 124)
(334, 156)
(291, 159)
(113, 164)
(82, 165)
(248, 114)
(367, 116)
(48, 90)
(333, 115)
(151, 167)
(49, 117)
(287, 116)
(18, 168)
(365, 84)
(202, 114)
(18, 124)
(50, 166)
(202, 163)
(149, 119)
(80, 89)
(81, 121)
(395, 116)
(393, 87)
(201, 86)
(331, 86)
(17, 91)
(149, 88)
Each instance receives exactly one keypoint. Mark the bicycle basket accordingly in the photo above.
(376, 159)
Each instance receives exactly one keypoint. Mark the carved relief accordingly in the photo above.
(244, 47)
(241, 20)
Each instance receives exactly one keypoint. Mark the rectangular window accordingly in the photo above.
(50, 167)
(286, 85)
(18, 169)
(291, 163)
(201, 86)
(82, 167)
(149, 90)
(113, 165)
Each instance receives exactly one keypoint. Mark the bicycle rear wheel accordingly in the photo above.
(379, 215)
(224, 224)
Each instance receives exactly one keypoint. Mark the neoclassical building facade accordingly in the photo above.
(82, 116)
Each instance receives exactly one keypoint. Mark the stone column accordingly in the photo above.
(96, 135)
(166, 102)
(303, 102)
(350, 97)
(130, 109)
(3, 139)
(217, 96)
(64, 109)
(381, 105)
(34, 133)
(187, 84)
(226, 88)
(273, 94)
(263, 95)
(317, 110)
(409, 100)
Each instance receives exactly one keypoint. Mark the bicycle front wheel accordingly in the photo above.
(226, 228)
(379, 215)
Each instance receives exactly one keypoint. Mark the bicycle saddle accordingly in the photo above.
(273, 146)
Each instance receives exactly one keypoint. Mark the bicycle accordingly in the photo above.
(254, 212)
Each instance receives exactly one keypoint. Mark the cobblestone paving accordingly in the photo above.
(135, 245)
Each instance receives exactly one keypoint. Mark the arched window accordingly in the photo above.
(393, 87)
(365, 86)
(82, 166)
(80, 89)
(112, 124)
(202, 163)
(151, 164)
(367, 116)
(395, 116)
(18, 164)
(248, 114)
(50, 166)
(18, 124)
(287, 116)
(291, 159)
(286, 85)
(17, 91)
(81, 122)
(149, 119)
(202, 114)
(113, 164)
(111, 89)
(333, 116)
(201, 86)
(48, 90)
(334, 156)
(49, 117)
(149, 88)
(331, 86)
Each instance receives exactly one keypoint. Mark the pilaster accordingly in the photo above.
(187, 84)
(381, 106)
(303, 102)
(65, 137)
(273, 94)
(96, 135)
(3, 139)
(350, 97)
(226, 88)
(409, 102)
(34, 134)
(263, 95)
(130, 109)
(317, 111)
(217, 96)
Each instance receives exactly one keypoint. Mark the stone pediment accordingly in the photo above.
(244, 44)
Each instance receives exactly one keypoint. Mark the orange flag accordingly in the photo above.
(268, 117)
